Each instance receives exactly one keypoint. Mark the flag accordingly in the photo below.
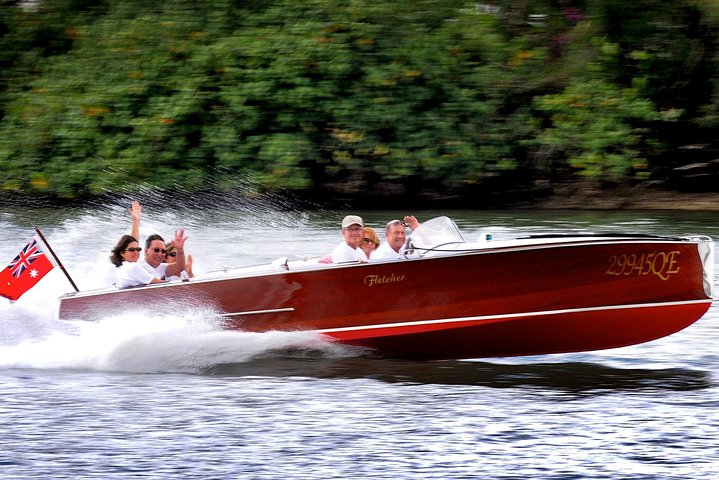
(30, 265)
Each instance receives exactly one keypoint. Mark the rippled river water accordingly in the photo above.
(167, 395)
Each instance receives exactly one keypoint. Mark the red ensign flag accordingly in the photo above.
(25, 271)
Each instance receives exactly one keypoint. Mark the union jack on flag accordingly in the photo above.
(30, 265)
(27, 255)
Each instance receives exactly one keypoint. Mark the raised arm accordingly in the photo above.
(179, 243)
(188, 266)
(136, 213)
(411, 221)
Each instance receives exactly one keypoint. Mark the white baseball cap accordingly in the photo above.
(352, 220)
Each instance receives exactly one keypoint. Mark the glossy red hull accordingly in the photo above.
(512, 299)
(556, 332)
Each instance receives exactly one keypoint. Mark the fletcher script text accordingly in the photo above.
(372, 280)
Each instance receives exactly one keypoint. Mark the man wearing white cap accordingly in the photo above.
(348, 250)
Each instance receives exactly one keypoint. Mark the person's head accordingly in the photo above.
(370, 240)
(352, 226)
(126, 250)
(155, 250)
(395, 234)
(171, 255)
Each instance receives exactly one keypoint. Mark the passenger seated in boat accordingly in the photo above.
(370, 241)
(395, 244)
(128, 248)
(152, 267)
(349, 249)
(171, 257)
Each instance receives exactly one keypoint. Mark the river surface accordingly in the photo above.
(167, 395)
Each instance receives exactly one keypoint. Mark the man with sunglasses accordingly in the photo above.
(152, 267)
(349, 249)
(395, 234)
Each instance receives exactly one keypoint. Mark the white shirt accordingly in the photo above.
(109, 275)
(176, 278)
(385, 251)
(139, 273)
(345, 253)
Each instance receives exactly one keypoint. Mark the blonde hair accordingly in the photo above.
(371, 233)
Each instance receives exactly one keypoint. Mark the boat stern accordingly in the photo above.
(706, 250)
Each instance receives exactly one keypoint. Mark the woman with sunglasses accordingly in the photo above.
(370, 241)
(128, 249)
(171, 257)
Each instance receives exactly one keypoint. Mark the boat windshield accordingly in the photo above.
(435, 232)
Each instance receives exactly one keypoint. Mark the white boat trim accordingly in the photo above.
(256, 312)
(510, 315)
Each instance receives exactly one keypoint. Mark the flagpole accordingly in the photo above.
(59, 263)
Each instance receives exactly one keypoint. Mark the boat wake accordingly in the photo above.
(144, 343)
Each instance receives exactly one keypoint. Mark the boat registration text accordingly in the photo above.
(661, 264)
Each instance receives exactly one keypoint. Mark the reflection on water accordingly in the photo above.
(574, 377)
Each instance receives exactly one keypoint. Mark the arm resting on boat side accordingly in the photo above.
(133, 274)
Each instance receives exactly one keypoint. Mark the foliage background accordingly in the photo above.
(354, 100)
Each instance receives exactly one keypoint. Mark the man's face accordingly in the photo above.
(396, 236)
(155, 255)
(353, 235)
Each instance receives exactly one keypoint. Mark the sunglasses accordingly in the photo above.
(158, 250)
(394, 223)
(133, 249)
(367, 240)
(171, 254)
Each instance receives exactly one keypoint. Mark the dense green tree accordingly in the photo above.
(593, 125)
(347, 96)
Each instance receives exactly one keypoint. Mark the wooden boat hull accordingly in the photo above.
(505, 300)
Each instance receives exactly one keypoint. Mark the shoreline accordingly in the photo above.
(561, 198)
(632, 200)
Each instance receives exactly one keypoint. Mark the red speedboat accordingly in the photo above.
(453, 299)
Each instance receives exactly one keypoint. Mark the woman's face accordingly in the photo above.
(131, 253)
(171, 256)
(367, 244)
